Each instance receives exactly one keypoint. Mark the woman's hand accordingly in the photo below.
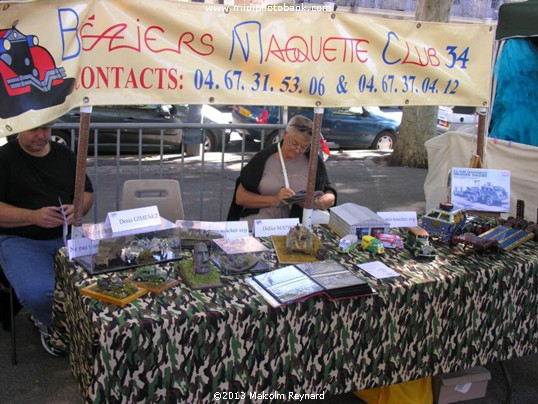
(253, 200)
(284, 193)
(325, 201)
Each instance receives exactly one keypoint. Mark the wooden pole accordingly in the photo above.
(82, 154)
(478, 158)
(312, 169)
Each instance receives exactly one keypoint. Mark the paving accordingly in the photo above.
(361, 177)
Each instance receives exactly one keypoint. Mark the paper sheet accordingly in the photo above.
(378, 270)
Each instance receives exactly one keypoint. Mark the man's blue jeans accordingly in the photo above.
(29, 266)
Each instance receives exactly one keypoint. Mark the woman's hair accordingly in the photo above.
(300, 123)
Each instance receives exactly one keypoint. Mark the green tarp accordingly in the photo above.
(517, 20)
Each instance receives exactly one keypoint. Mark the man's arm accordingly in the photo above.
(87, 202)
(12, 216)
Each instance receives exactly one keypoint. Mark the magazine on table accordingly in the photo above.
(298, 282)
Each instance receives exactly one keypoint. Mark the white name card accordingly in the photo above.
(400, 219)
(131, 219)
(225, 229)
(235, 229)
(273, 227)
(80, 247)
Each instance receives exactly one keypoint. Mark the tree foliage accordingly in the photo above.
(419, 123)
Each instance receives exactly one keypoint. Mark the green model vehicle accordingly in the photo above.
(372, 244)
(418, 242)
(149, 274)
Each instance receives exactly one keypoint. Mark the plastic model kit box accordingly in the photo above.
(480, 189)
(461, 386)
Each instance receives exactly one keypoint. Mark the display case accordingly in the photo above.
(240, 255)
(118, 251)
(193, 231)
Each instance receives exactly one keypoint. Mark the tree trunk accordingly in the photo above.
(419, 123)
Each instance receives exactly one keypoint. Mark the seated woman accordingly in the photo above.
(277, 173)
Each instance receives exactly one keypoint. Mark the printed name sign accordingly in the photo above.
(274, 227)
(132, 219)
(400, 219)
(225, 229)
(231, 230)
(80, 247)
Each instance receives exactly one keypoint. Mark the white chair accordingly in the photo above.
(164, 193)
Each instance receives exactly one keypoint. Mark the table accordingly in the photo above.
(458, 311)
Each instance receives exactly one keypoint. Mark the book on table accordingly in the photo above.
(300, 197)
(298, 282)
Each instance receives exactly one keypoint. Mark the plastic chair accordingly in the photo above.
(7, 289)
(164, 193)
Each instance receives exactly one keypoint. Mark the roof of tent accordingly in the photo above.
(517, 20)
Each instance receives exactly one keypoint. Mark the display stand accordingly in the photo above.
(284, 257)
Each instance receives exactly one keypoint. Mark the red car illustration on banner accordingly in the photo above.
(30, 78)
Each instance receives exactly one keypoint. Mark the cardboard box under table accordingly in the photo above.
(461, 386)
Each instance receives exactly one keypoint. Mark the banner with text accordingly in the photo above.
(57, 55)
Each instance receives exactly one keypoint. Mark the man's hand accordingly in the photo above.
(69, 211)
(48, 217)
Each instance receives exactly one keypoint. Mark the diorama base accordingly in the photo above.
(279, 244)
(155, 287)
(199, 281)
(91, 292)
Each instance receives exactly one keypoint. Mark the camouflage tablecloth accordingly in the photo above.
(462, 309)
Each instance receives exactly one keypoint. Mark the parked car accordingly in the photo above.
(394, 113)
(355, 127)
(151, 138)
(454, 118)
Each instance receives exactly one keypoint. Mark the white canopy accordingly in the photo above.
(455, 149)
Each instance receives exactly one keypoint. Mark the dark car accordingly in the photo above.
(355, 127)
(151, 137)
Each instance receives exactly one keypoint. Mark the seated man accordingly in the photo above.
(37, 186)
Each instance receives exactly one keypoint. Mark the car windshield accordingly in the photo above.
(352, 111)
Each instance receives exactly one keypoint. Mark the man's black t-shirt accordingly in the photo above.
(34, 182)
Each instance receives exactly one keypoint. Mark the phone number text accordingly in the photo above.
(236, 80)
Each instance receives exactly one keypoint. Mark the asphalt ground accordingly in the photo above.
(361, 177)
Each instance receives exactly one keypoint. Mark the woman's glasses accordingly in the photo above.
(302, 128)
(299, 147)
